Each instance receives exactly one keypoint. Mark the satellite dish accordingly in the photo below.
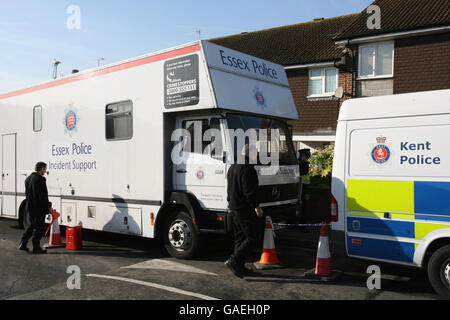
(339, 93)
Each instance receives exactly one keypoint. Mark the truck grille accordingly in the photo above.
(276, 193)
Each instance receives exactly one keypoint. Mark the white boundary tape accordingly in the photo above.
(301, 225)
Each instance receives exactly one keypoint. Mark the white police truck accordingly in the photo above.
(108, 137)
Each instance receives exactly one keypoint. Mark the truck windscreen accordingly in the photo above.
(278, 136)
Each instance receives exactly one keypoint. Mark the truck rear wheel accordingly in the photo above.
(439, 271)
(181, 237)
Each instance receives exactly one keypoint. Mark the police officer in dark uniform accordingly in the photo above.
(37, 207)
(244, 208)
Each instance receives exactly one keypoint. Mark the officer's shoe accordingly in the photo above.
(234, 268)
(247, 271)
(39, 250)
(23, 246)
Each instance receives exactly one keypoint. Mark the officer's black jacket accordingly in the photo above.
(37, 195)
(242, 187)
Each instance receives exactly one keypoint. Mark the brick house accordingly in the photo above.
(307, 50)
(410, 52)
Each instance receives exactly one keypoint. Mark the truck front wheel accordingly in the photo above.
(181, 237)
(439, 271)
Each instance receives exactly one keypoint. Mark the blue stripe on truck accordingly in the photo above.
(432, 198)
(383, 227)
(381, 249)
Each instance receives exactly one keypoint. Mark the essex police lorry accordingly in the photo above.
(107, 136)
(391, 181)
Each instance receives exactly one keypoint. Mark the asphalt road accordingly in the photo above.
(122, 267)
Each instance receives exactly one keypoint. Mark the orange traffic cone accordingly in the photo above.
(323, 261)
(269, 258)
(324, 267)
(55, 233)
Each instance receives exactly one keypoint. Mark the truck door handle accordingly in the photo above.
(182, 171)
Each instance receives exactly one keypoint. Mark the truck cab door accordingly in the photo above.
(202, 171)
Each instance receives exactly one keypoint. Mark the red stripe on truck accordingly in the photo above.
(123, 66)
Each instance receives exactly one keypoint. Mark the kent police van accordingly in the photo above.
(107, 135)
(391, 181)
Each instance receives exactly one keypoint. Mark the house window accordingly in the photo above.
(322, 81)
(37, 118)
(376, 60)
(119, 121)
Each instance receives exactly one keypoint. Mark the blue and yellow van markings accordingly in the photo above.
(384, 227)
(397, 209)
(432, 198)
(381, 249)
(383, 196)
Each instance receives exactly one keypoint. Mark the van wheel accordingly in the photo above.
(181, 237)
(439, 271)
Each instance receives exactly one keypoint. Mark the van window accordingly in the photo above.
(37, 118)
(210, 140)
(282, 138)
(196, 130)
(216, 150)
(119, 121)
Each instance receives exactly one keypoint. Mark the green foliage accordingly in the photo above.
(321, 162)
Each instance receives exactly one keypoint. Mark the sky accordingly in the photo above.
(78, 32)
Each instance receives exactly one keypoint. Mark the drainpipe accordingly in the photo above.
(353, 68)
